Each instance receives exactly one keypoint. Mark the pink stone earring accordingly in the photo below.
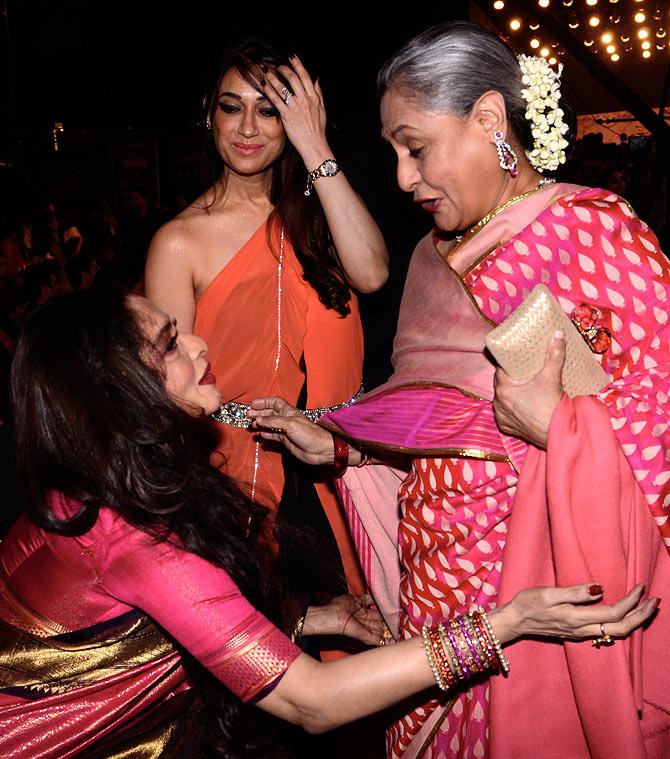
(507, 157)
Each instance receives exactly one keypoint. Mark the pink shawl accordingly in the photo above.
(575, 520)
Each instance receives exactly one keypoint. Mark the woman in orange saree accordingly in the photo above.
(264, 266)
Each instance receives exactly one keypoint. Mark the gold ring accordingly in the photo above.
(603, 640)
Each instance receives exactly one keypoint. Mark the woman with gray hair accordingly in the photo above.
(508, 482)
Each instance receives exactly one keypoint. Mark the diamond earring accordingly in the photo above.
(506, 156)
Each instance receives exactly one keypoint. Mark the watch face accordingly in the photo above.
(329, 168)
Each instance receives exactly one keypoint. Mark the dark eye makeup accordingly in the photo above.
(171, 344)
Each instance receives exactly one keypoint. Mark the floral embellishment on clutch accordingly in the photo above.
(586, 318)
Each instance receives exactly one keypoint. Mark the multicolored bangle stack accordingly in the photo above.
(462, 648)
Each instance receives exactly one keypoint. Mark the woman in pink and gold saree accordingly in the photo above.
(496, 483)
(137, 611)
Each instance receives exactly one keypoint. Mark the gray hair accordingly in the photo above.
(447, 68)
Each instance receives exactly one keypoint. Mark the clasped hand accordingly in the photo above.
(523, 408)
(352, 616)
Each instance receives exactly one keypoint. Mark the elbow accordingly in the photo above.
(315, 724)
(373, 281)
(315, 719)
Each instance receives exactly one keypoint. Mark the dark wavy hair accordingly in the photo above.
(302, 217)
(95, 423)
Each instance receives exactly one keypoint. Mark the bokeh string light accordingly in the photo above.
(611, 28)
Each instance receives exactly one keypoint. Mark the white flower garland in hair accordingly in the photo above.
(542, 93)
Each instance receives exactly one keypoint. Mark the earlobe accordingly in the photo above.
(490, 113)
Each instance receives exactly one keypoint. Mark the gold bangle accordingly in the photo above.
(297, 629)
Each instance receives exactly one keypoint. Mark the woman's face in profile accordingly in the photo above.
(247, 130)
(188, 377)
(445, 161)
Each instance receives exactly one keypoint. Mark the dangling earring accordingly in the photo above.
(206, 110)
(507, 157)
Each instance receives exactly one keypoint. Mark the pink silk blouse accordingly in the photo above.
(73, 583)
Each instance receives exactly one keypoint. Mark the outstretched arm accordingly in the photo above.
(199, 606)
(322, 696)
(358, 241)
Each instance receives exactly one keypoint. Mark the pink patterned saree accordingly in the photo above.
(457, 532)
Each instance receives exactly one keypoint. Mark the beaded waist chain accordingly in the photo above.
(235, 414)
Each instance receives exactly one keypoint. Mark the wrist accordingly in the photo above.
(506, 623)
(319, 621)
(315, 155)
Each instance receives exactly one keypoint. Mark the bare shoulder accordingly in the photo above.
(180, 235)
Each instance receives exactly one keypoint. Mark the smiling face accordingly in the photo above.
(247, 130)
(188, 377)
(448, 163)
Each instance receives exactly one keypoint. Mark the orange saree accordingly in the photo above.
(268, 334)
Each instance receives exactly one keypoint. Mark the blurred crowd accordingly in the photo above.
(632, 168)
(51, 250)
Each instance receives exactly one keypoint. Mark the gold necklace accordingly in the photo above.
(470, 233)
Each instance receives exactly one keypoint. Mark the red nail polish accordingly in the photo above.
(596, 590)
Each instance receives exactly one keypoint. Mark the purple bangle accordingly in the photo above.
(457, 650)
(471, 645)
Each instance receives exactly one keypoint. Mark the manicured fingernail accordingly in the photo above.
(264, 67)
(596, 590)
(264, 81)
(559, 334)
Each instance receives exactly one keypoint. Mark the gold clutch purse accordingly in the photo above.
(519, 344)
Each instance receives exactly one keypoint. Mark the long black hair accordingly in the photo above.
(302, 217)
(95, 423)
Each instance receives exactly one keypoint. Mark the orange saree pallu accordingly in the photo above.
(269, 335)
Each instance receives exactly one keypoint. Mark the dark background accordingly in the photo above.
(115, 72)
(127, 80)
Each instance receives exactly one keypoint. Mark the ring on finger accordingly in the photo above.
(286, 95)
(603, 640)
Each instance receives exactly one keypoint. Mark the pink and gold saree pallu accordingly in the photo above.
(115, 689)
